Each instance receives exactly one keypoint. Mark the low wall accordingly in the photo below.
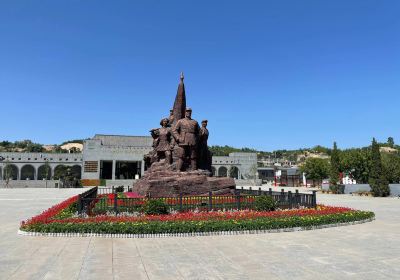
(241, 182)
(357, 188)
(116, 183)
(348, 189)
(29, 184)
(394, 189)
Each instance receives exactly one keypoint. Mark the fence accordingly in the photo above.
(85, 200)
(108, 190)
(242, 199)
(289, 181)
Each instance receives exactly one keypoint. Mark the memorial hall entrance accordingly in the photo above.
(127, 170)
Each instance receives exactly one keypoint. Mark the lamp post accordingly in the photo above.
(2, 169)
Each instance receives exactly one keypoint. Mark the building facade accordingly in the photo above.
(116, 159)
(236, 165)
(32, 166)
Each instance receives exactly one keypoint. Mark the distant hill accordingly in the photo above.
(28, 146)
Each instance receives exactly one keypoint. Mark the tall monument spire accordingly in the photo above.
(180, 101)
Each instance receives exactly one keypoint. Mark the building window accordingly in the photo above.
(91, 166)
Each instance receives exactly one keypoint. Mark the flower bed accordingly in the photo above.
(58, 219)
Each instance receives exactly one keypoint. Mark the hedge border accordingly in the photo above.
(192, 234)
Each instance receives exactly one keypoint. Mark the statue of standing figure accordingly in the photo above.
(204, 155)
(163, 141)
(186, 133)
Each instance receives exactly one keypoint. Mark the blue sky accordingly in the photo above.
(266, 74)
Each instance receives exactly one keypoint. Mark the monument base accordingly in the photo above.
(161, 182)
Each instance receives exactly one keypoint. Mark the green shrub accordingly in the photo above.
(101, 207)
(155, 207)
(67, 212)
(265, 203)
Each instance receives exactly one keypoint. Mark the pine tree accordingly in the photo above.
(334, 172)
(390, 142)
(377, 178)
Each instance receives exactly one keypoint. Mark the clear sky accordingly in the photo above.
(266, 74)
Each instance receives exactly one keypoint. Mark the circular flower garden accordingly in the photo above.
(154, 218)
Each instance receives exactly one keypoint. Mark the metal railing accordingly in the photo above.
(85, 199)
(242, 199)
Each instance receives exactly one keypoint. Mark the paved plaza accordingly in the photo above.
(365, 251)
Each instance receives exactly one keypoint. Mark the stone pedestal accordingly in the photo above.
(162, 181)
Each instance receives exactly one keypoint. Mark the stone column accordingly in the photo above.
(141, 168)
(114, 165)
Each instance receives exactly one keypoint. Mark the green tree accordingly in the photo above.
(60, 172)
(390, 142)
(316, 169)
(45, 172)
(80, 141)
(335, 165)
(322, 150)
(9, 173)
(58, 149)
(377, 177)
(356, 162)
(222, 150)
(391, 167)
(34, 148)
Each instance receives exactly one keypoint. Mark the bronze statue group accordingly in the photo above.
(180, 144)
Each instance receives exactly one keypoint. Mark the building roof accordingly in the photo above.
(124, 141)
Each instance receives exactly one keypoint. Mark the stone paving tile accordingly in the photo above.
(129, 268)
(96, 273)
(64, 270)
(365, 251)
